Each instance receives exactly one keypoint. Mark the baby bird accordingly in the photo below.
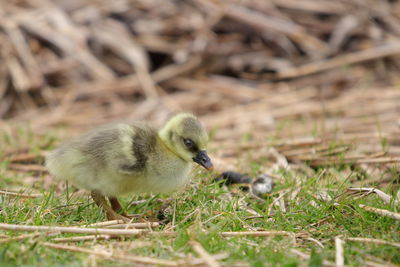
(118, 159)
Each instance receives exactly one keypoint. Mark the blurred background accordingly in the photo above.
(290, 73)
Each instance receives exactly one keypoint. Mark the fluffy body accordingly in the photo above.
(119, 159)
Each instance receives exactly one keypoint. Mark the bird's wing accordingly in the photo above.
(84, 155)
(100, 144)
(124, 148)
(139, 143)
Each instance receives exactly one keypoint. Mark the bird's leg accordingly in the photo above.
(101, 201)
(116, 206)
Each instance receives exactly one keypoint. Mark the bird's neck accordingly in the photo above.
(164, 140)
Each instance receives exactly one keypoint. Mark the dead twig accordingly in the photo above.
(256, 233)
(115, 224)
(366, 191)
(27, 167)
(106, 223)
(306, 256)
(386, 50)
(81, 238)
(15, 194)
(22, 237)
(382, 212)
(25, 157)
(109, 255)
(339, 258)
(208, 259)
(373, 241)
(76, 230)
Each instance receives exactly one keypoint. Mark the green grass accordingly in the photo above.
(203, 210)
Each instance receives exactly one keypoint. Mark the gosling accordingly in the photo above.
(119, 159)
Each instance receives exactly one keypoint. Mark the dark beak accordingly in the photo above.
(203, 160)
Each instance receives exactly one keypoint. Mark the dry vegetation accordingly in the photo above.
(306, 91)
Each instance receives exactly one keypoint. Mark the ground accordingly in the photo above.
(315, 208)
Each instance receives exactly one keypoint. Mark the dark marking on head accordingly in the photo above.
(190, 145)
(191, 127)
(144, 141)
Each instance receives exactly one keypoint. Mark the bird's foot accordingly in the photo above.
(112, 215)
(117, 207)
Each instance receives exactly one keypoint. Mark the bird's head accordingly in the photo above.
(186, 137)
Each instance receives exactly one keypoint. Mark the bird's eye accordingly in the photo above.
(188, 143)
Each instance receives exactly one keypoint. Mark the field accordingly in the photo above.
(308, 210)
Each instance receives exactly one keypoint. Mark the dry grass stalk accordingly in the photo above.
(276, 201)
(378, 264)
(256, 233)
(115, 224)
(76, 230)
(208, 259)
(81, 238)
(306, 256)
(105, 223)
(335, 160)
(373, 241)
(109, 255)
(339, 257)
(269, 23)
(385, 197)
(26, 157)
(22, 237)
(318, 243)
(347, 59)
(161, 233)
(201, 261)
(143, 225)
(27, 167)
(15, 194)
(382, 212)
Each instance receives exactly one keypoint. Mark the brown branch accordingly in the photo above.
(27, 167)
(268, 23)
(386, 50)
